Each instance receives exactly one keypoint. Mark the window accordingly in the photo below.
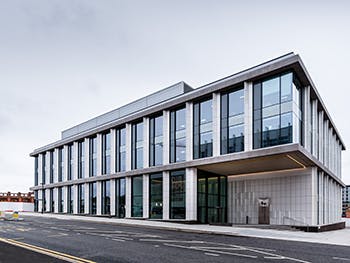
(276, 103)
(52, 166)
(60, 200)
(137, 196)
(156, 196)
(202, 129)
(137, 146)
(36, 171)
(106, 153)
(92, 197)
(178, 135)
(36, 200)
(178, 195)
(120, 150)
(70, 162)
(156, 141)
(81, 199)
(60, 164)
(106, 198)
(52, 201)
(120, 197)
(43, 169)
(81, 158)
(70, 196)
(93, 157)
(43, 200)
(232, 121)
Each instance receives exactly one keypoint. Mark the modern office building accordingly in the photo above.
(257, 147)
(346, 201)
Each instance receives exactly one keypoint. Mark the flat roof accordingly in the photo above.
(183, 93)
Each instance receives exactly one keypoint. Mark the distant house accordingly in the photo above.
(17, 202)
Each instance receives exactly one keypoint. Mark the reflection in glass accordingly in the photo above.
(93, 198)
(156, 196)
(178, 135)
(137, 196)
(156, 141)
(137, 145)
(177, 195)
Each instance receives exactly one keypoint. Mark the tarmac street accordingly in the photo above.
(90, 241)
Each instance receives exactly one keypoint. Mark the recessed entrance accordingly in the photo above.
(211, 198)
(264, 211)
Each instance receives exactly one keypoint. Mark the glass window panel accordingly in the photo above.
(236, 102)
(177, 195)
(156, 196)
(206, 111)
(271, 92)
(271, 123)
(137, 196)
(181, 119)
(286, 87)
(271, 111)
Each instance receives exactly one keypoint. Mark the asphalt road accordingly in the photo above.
(108, 242)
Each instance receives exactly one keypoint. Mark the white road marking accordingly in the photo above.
(343, 259)
(212, 254)
(58, 235)
(120, 240)
(172, 241)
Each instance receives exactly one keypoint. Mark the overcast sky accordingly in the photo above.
(63, 62)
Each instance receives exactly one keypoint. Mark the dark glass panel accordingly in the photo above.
(156, 196)
(177, 195)
(137, 196)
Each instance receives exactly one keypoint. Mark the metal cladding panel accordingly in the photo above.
(140, 104)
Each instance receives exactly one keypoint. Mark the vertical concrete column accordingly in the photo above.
(75, 199)
(65, 163)
(191, 194)
(40, 171)
(128, 130)
(230, 207)
(98, 197)
(99, 154)
(48, 200)
(166, 136)
(325, 143)
(47, 168)
(320, 134)
(75, 161)
(314, 197)
(40, 203)
(128, 204)
(189, 131)
(55, 197)
(314, 128)
(216, 124)
(306, 118)
(248, 116)
(112, 197)
(166, 195)
(145, 195)
(64, 196)
(86, 198)
(55, 163)
(86, 158)
(146, 142)
(113, 150)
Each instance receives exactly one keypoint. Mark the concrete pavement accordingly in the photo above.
(337, 237)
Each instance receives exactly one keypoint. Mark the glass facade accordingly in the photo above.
(178, 194)
(93, 157)
(60, 164)
(120, 197)
(277, 107)
(232, 121)
(156, 141)
(81, 159)
(52, 201)
(156, 196)
(36, 201)
(43, 200)
(120, 150)
(92, 198)
(60, 199)
(43, 169)
(137, 196)
(70, 175)
(70, 198)
(36, 170)
(211, 198)
(106, 197)
(106, 153)
(178, 135)
(137, 146)
(202, 129)
(52, 166)
(81, 199)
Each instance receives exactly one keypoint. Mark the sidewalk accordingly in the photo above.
(337, 237)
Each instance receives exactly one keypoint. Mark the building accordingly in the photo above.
(346, 201)
(257, 147)
(19, 202)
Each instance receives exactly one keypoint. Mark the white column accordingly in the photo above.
(189, 131)
(145, 142)
(48, 200)
(128, 148)
(248, 116)
(98, 197)
(99, 154)
(166, 195)
(166, 136)
(191, 194)
(40, 202)
(145, 195)
(40, 171)
(320, 135)
(113, 150)
(56, 164)
(75, 161)
(47, 168)
(86, 159)
(306, 118)
(314, 197)
(64, 196)
(216, 124)
(55, 197)
(75, 198)
(326, 144)
(112, 197)
(65, 165)
(86, 199)
(128, 205)
(314, 128)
